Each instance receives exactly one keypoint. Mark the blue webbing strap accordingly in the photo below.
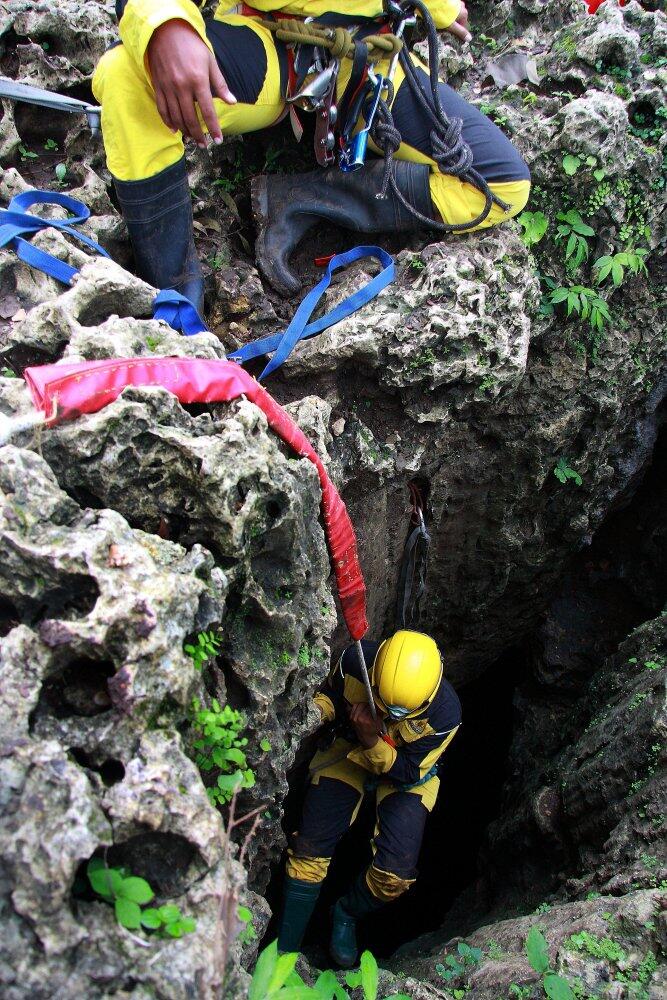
(15, 221)
(282, 344)
(178, 312)
(169, 305)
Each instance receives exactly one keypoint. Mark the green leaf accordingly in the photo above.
(284, 966)
(61, 172)
(136, 889)
(174, 929)
(221, 755)
(598, 174)
(581, 227)
(264, 745)
(244, 914)
(188, 925)
(537, 950)
(169, 912)
(106, 882)
(571, 164)
(571, 245)
(616, 273)
(557, 987)
(353, 979)
(150, 918)
(327, 987)
(230, 782)
(128, 914)
(559, 295)
(266, 964)
(369, 975)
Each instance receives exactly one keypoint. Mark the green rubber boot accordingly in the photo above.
(298, 905)
(358, 902)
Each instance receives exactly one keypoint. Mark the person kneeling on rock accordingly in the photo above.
(421, 713)
(178, 75)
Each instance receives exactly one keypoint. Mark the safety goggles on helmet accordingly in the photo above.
(397, 712)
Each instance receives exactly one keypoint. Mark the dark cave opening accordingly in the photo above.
(471, 779)
(610, 587)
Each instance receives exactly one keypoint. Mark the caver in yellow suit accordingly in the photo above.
(421, 713)
(146, 157)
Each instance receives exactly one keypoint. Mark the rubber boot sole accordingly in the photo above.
(259, 195)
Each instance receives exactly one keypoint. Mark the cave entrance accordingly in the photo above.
(472, 774)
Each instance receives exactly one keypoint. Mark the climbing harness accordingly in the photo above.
(314, 46)
(412, 576)
(48, 99)
(174, 308)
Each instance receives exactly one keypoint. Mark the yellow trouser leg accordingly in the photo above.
(137, 142)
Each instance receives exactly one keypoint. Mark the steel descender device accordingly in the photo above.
(353, 154)
(47, 99)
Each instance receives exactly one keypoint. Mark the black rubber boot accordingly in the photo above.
(158, 215)
(286, 207)
(358, 902)
(298, 905)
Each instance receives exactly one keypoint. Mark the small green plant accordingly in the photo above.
(546, 907)
(563, 472)
(530, 98)
(416, 263)
(248, 933)
(520, 992)
(596, 947)
(219, 746)
(571, 164)
(274, 978)
(27, 154)
(613, 266)
(493, 950)
(574, 230)
(206, 647)
(459, 964)
(583, 302)
(637, 699)
(60, 172)
(220, 259)
(128, 894)
(490, 43)
(51, 146)
(8, 373)
(555, 986)
(534, 225)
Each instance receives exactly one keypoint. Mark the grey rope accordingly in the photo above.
(448, 147)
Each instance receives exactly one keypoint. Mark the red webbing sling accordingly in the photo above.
(62, 391)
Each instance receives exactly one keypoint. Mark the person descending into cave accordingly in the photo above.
(178, 75)
(395, 757)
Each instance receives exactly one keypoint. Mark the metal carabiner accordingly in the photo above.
(353, 154)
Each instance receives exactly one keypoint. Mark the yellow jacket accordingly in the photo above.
(142, 17)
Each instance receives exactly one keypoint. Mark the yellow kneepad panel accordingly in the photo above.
(307, 869)
(385, 885)
(458, 202)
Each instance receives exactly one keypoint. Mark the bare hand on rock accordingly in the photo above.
(185, 73)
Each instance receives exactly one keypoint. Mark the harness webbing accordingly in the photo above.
(174, 308)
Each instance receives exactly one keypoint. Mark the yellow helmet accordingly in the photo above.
(406, 673)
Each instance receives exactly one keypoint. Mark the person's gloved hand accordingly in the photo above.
(184, 72)
(365, 726)
(460, 26)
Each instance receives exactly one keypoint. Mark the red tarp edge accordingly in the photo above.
(67, 390)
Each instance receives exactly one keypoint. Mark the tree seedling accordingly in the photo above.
(128, 894)
(573, 229)
(459, 964)
(555, 986)
(613, 266)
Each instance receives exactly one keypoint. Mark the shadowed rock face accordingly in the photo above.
(124, 533)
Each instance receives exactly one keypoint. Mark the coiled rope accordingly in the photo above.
(339, 42)
(448, 147)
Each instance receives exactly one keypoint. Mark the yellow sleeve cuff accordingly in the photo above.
(378, 760)
(325, 706)
(142, 17)
(444, 12)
